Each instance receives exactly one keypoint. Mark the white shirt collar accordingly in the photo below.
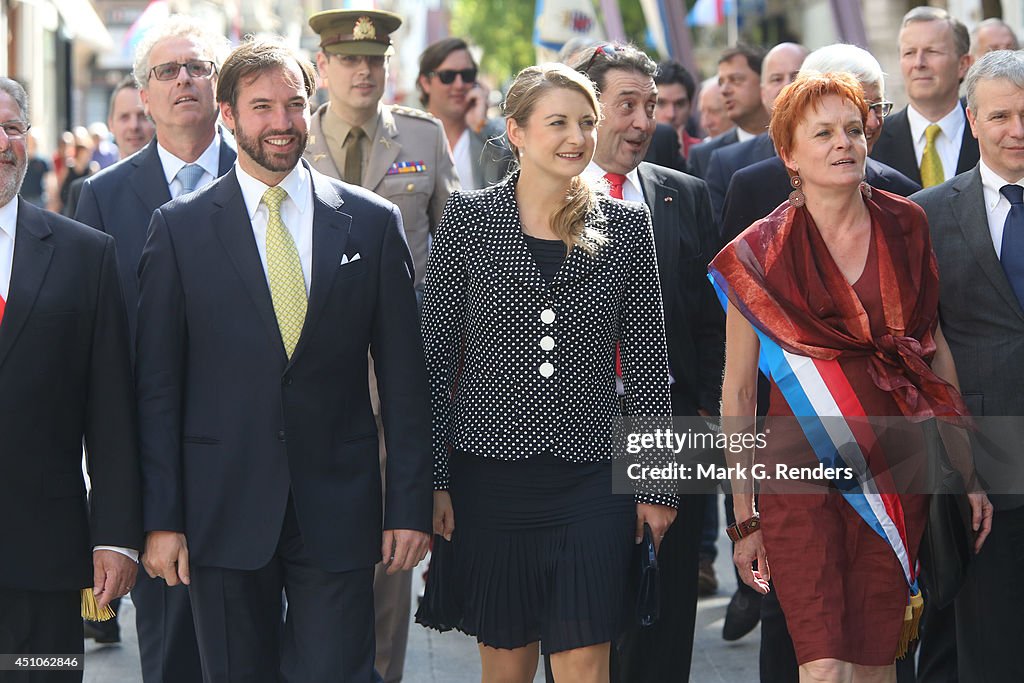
(951, 124)
(594, 175)
(9, 217)
(209, 160)
(991, 183)
(743, 136)
(296, 184)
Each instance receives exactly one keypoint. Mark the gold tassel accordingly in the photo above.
(91, 609)
(911, 623)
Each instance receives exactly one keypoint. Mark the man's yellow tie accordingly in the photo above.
(931, 164)
(287, 284)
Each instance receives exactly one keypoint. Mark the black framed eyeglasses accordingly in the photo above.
(882, 108)
(196, 68)
(447, 76)
(15, 130)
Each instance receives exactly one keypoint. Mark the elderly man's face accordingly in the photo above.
(184, 102)
(628, 100)
(13, 160)
(998, 124)
(991, 38)
(780, 68)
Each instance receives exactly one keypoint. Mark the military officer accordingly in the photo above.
(397, 152)
(402, 155)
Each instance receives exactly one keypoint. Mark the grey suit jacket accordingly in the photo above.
(984, 325)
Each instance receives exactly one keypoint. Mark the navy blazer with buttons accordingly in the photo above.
(120, 199)
(231, 427)
(498, 389)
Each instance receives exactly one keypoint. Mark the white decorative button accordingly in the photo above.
(547, 343)
(547, 316)
(547, 369)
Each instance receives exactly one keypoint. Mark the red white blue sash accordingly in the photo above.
(835, 425)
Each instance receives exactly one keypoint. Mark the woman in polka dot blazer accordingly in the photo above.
(529, 286)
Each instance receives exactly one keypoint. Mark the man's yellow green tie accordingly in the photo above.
(931, 165)
(287, 284)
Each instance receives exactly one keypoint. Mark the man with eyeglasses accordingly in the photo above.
(449, 89)
(67, 382)
(929, 141)
(754, 192)
(402, 155)
(176, 70)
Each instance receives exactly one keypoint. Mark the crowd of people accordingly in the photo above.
(304, 345)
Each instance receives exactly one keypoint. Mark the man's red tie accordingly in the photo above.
(3, 305)
(615, 183)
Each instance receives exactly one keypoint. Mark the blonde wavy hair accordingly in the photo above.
(528, 87)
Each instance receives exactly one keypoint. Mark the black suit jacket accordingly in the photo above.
(700, 154)
(895, 147)
(757, 190)
(984, 324)
(230, 427)
(725, 161)
(685, 240)
(120, 200)
(664, 149)
(66, 376)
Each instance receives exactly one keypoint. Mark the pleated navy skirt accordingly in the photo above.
(541, 552)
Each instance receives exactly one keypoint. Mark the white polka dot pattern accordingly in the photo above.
(518, 367)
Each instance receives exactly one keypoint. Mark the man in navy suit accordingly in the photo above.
(260, 298)
(685, 240)
(187, 153)
(779, 69)
(929, 140)
(739, 78)
(66, 378)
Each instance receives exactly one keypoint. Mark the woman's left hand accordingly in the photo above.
(659, 517)
(981, 517)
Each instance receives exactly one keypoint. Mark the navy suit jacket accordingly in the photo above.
(120, 199)
(66, 378)
(231, 427)
(757, 190)
(895, 147)
(700, 154)
(725, 161)
(685, 241)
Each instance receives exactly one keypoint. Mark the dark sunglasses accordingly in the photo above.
(605, 49)
(447, 76)
(196, 68)
(882, 108)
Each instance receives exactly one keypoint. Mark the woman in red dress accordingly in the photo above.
(836, 290)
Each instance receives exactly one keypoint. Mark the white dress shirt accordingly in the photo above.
(631, 189)
(464, 161)
(743, 136)
(947, 143)
(8, 230)
(296, 214)
(997, 207)
(209, 160)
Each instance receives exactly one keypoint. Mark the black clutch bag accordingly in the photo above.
(648, 599)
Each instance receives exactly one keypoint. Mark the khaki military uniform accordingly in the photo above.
(406, 160)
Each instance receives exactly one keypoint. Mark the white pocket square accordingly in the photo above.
(345, 259)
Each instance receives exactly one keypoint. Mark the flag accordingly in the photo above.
(707, 13)
(558, 21)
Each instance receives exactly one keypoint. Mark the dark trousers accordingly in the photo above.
(167, 637)
(326, 635)
(990, 639)
(41, 623)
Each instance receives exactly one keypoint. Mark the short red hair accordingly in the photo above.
(804, 94)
